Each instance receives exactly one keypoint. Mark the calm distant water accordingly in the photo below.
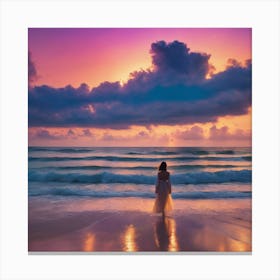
(196, 173)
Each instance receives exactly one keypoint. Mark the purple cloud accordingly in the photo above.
(175, 91)
(193, 133)
(176, 59)
(32, 72)
(71, 133)
(45, 134)
(87, 133)
(224, 134)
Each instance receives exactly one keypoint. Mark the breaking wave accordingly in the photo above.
(242, 176)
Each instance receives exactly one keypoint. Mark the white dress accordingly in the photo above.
(163, 200)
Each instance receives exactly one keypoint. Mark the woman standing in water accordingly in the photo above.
(163, 190)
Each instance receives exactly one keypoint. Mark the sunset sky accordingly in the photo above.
(139, 87)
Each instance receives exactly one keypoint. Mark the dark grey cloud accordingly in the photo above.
(175, 91)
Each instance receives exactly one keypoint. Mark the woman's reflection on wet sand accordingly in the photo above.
(165, 234)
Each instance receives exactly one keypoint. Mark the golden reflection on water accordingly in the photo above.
(130, 239)
(89, 242)
(173, 244)
(165, 234)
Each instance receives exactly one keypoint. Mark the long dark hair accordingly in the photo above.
(163, 166)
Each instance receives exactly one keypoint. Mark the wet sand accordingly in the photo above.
(127, 225)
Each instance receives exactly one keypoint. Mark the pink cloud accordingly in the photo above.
(193, 133)
(224, 134)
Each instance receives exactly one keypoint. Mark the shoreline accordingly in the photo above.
(128, 225)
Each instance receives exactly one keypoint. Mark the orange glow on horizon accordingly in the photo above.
(238, 133)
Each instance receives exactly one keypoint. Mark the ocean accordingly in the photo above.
(90, 172)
